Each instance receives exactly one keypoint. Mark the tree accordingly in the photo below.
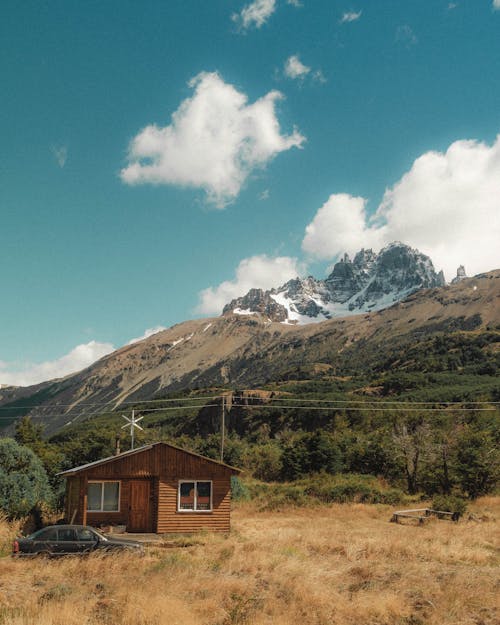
(29, 434)
(23, 480)
(478, 462)
(412, 442)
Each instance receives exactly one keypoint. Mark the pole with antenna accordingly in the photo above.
(132, 423)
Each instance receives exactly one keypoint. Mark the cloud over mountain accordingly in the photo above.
(447, 205)
(261, 271)
(78, 358)
(215, 140)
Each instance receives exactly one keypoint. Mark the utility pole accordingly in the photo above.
(222, 429)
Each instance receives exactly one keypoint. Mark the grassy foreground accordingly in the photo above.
(341, 564)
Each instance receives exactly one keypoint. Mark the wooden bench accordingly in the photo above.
(422, 515)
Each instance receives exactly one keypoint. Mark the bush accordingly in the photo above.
(239, 492)
(352, 488)
(23, 481)
(449, 503)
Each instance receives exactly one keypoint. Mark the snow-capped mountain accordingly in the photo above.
(369, 282)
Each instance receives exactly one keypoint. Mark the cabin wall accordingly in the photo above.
(170, 520)
(72, 507)
(162, 466)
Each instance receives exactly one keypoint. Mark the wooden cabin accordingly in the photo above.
(157, 488)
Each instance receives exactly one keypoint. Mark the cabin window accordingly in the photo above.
(103, 497)
(195, 496)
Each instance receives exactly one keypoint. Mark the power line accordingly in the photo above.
(369, 408)
(110, 412)
(135, 403)
(368, 401)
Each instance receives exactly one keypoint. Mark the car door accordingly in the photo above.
(67, 541)
(87, 539)
(45, 541)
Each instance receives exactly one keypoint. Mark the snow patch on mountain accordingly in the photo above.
(368, 283)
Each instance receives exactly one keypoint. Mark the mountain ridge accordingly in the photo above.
(248, 351)
(369, 282)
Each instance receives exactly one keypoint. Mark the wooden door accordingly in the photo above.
(138, 512)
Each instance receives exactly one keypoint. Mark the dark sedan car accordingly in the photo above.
(58, 540)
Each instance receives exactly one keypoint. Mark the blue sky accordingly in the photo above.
(158, 158)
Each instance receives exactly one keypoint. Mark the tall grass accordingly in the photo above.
(328, 565)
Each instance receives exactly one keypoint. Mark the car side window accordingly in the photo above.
(49, 534)
(67, 535)
(86, 535)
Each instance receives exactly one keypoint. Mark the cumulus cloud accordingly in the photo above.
(496, 5)
(261, 271)
(255, 14)
(294, 68)
(77, 359)
(447, 205)
(350, 16)
(149, 332)
(339, 226)
(216, 139)
(60, 154)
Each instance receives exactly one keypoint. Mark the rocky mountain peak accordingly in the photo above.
(369, 282)
(461, 275)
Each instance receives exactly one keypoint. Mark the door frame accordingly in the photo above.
(147, 528)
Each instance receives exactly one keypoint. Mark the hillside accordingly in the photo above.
(440, 329)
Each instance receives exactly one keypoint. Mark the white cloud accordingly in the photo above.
(77, 359)
(350, 16)
(496, 5)
(255, 14)
(149, 332)
(216, 139)
(447, 205)
(60, 154)
(338, 226)
(294, 68)
(262, 272)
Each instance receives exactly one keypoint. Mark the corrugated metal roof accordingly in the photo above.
(131, 452)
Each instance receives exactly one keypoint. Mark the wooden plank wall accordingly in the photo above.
(172, 521)
(72, 498)
(165, 466)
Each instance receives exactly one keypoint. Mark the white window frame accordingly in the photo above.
(195, 482)
(102, 495)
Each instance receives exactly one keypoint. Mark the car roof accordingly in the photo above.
(66, 527)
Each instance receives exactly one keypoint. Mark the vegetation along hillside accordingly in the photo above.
(393, 404)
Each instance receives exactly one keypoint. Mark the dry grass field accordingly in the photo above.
(341, 564)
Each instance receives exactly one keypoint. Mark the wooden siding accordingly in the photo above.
(163, 466)
(172, 521)
(72, 498)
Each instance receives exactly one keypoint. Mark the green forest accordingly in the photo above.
(418, 423)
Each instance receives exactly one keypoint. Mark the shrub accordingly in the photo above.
(352, 488)
(23, 481)
(239, 492)
(449, 503)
